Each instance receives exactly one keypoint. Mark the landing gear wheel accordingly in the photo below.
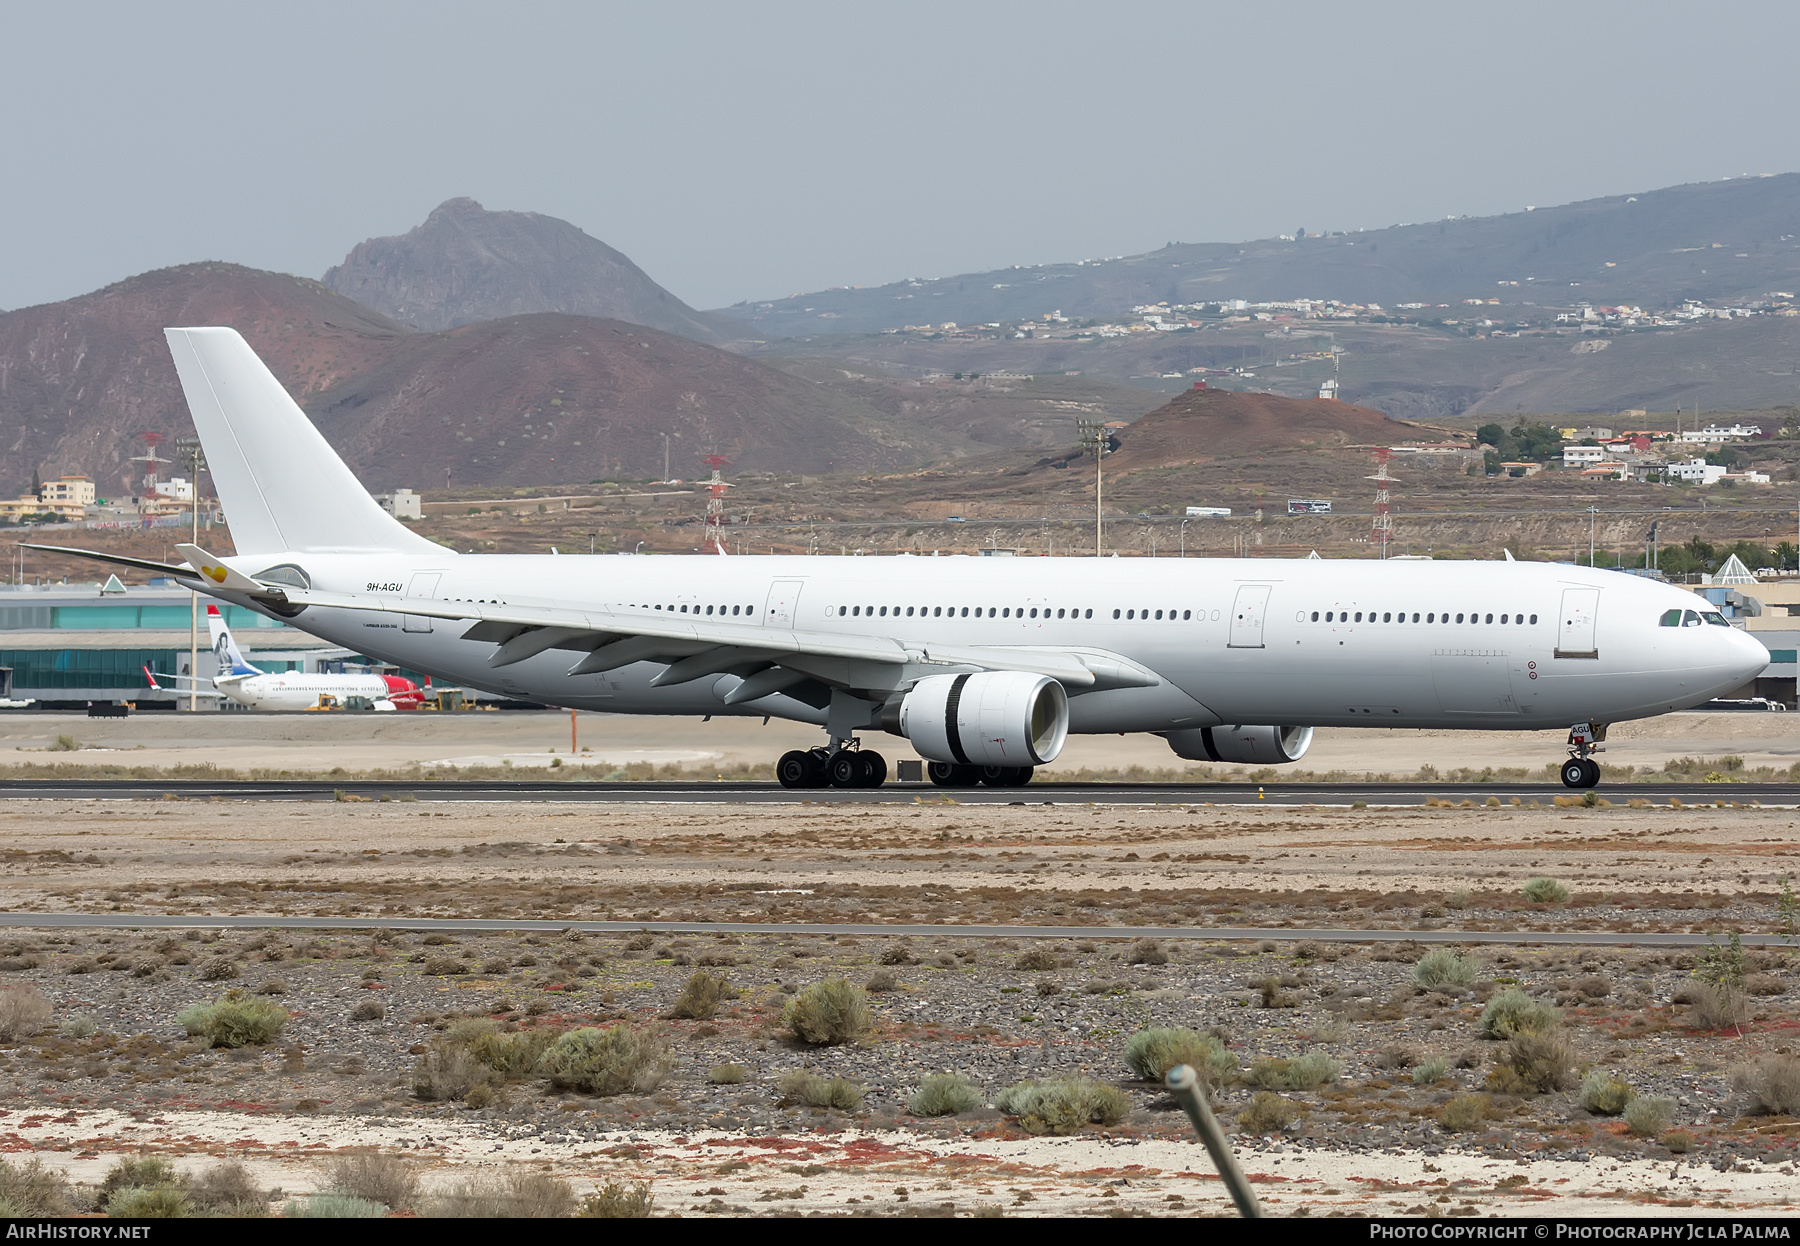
(878, 769)
(1006, 776)
(795, 769)
(949, 774)
(1593, 772)
(846, 769)
(1574, 772)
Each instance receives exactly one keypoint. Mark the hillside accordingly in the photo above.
(466, 264)
(511, 402)
(1202, 425)
(1735, 239)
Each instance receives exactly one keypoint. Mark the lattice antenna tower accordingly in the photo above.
(1381, 532)
(715, 502)
(149, 458)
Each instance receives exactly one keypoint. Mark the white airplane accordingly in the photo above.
(239, 681)
(985, 666)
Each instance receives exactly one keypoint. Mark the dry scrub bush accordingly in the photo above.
(1717, 1006)
(899, 954)
(608, 1061)
(828, 1013)
(333, 1205)
(1534, 1063)
(1443, 966)
(29, 1189)
(1037, 960)
(234, 1020)
(228, 1190)
(1152, 1052)
(385, 1179)
(1146, 952)
(445, 967)
(1430, 1072)
(220, 969)
(810, 1089)
(1605, 1095)
(618, 1200)
(78, 1026)
(1514, 1012)
(369, 1010)
(1770, 1085)
(1546, 891)
(944, 1094)
(448, 1072)
(1649, 1115)
(700, 998)
(1465, 1112)
(1062, 1105)
(515, 1194)
(881, 981)
(1678, 1141)
(163, 1202)
(1269, 1113)
(23, 1012)
(1306, 1072)
(725, 1074)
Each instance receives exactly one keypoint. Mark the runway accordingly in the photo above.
(768, 793)
(451, 925)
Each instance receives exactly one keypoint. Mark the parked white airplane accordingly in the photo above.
(984, 665)
(239, 681)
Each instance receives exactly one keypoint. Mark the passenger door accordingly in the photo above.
(784, 600)
(1575, 633)
(424, 584)
(1247, 615)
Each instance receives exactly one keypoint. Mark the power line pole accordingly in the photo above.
(1097, 441)
(195, 454)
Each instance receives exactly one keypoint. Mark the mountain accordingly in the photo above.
(1730, 240)
(466, 264)
(1200, 425)
(520, 401)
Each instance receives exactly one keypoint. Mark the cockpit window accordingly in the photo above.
(1691, 619)
(1670, 618)
(1716, 619)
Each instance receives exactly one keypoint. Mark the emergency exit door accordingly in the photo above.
(1247, 615)
(424, 584)
(1575, 634)
(784, 599)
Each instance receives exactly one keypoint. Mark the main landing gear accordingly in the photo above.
(1581, 770)
(848, 766)
(949, 774)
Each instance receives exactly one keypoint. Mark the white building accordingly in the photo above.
(1715, 432)
(175, 489)
(1583, 456)
(1695, 471)
(1328, 388)
(401, 504)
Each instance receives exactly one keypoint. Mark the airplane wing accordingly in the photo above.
(695, 648)
(178, 680)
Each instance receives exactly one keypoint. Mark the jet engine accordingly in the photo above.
(1257, 746)
(991, 718)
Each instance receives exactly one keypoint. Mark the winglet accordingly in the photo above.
(216, 572)
(152, 679)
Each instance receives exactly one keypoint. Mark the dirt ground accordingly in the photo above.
(1396, 1047)
(322, 743)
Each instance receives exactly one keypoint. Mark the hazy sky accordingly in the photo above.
(752, 150)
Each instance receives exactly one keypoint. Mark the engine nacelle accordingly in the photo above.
(991, 718)
(1256, 746)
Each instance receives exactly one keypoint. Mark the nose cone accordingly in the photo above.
(1748, 655)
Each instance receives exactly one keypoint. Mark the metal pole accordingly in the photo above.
(1592, 512)
(1184, 524)
(1099, 454)
(1184, 1084)
(194, 603)
(573, 742)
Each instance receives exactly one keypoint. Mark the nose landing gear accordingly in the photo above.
(1581, 770)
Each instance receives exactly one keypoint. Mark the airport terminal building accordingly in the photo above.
(63, 646)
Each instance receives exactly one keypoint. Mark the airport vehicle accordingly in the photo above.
(984, 665)
(1308, 506)
(239, 681)
(1208, 512)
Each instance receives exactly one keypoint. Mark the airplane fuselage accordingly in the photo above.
(1491, 645)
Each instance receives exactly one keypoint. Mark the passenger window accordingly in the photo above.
(684, 610)
(1059, 614)
(1188, 614)
(1388, 617)
(939, 611)
(965, 613)
(1670, 618)
(749, 609)
(1490, 618)
(1131, 614)
(1115, 614)
(843, 610)
(1159, 614)
(1006, 612)
(1415, 616)
(1458, 618)
(1315, 617)
(1090, 614)
(1328, 616)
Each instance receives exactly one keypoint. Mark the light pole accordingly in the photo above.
(1593, 513)
(640, 546)
(1184, 524)
(591, 538)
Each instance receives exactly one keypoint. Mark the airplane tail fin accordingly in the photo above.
(224, 648)
(282, 485)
